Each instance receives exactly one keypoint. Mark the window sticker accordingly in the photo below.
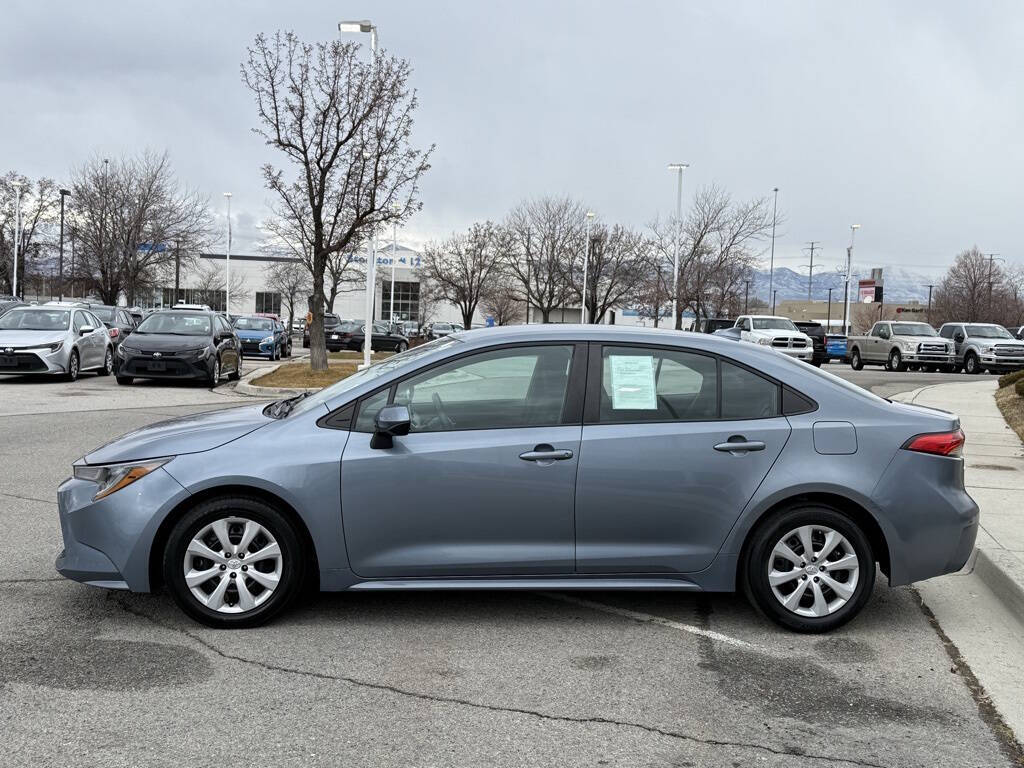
(633, 382)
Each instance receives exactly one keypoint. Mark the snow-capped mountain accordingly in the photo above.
(900, 284)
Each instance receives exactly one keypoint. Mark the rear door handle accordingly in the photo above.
(738, 445)
(546, 453)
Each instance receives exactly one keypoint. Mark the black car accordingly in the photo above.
(119, 321)
(817, 333)
(713, 324)
(330, 322)
(181, 344)
(350, 335)
(7, 303)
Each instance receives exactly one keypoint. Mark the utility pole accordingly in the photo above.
(746, 296)
(771, 265)
(775, 295)
(60, 282)
(72, 263)
(828, 322)
(928, 312)
(810, 275)
(177, 273)
(849, 270)
(991, 258)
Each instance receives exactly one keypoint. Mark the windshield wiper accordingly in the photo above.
(282, 408)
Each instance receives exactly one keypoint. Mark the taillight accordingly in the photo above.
(114, 333)
(937, 443)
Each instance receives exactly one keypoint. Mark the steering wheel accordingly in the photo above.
(446, 421)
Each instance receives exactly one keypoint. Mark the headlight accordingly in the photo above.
(908, 346)
(47, 348)
(199, 353)
(124, 350)
(268, 340)
(765, 342)
(113, 477)
(987, 349)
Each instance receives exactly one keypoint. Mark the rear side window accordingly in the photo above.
(745, 395)
(640, 384)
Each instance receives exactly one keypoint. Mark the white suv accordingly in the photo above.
(779, 333)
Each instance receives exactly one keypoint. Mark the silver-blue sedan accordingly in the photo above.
(534, 457)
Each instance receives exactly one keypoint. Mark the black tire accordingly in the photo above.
(288, 349)
(213, 378)
(855, 360)
(759, 558)
(108, 363)
(971, 364)
(294, 564)
(895, 362)
(401, 347)
(125, 380)
(236, 374)
(74, 366)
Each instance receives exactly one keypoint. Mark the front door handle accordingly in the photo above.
(738, 445)
(545, 453)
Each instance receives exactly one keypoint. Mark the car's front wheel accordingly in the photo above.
(233, 562)
(214, 377)
(971, 364)
(895, 362)
(809, 568)
(73, 366)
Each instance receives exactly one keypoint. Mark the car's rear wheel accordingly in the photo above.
(233, 562)
(855, 360)
(401, 347)
(108, 363)
(809, 568)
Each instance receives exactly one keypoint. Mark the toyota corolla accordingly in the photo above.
(534, 457)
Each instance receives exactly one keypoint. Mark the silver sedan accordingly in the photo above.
(55, 339)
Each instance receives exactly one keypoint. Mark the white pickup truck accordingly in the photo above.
(899, 345)
(779, 333)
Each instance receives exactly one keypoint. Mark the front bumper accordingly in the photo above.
(170, 367)
(1002, 362)
(927, 357)
(800, 353)
(107, 542)
(35, 361)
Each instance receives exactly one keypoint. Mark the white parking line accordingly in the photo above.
(648, 618)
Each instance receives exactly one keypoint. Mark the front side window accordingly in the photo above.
(80, 321)
(517, 387)
(369, 409)
(639, 384)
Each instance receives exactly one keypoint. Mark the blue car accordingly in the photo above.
(537, 457)
(262, 335)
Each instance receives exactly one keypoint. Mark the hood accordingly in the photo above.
(19, 338)
(189, 434)
(252, 334)
(773, 333)
(163, 342)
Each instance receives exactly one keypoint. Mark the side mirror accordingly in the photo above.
(391, 421)
(85, 329)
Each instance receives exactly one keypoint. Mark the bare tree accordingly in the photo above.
(501, 300)
(548, 235)
(40, 201)
(130, 216)
(461, 267)
(345, 127)
(208, 282)
(616, 262)
(290, 279)
(964, 291)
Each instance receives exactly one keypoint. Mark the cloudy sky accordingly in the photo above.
(905, 118)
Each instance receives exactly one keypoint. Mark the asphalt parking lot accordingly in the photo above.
(95, 678)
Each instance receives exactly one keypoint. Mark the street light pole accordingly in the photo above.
(828, 321)
(394, 257)
(357, 27)
(586, 268)
(928, 312)
(746, 296)
(849, 270)
(17, 233)
(60, 261)
(771, 264)
(679, 168)
(227, 258)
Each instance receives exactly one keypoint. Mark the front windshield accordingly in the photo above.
(254, 324)
(773, 324)
(177, 323)
(988, 332)
(913, 329)
(36, 320)
(393, 363)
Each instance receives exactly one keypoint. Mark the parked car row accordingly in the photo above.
(968, 347)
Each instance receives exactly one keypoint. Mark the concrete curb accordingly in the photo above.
(1002, 573)
(246, 387)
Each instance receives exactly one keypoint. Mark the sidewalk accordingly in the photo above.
(994, 476)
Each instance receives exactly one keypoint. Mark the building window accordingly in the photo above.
(268, 302)
(216, 300)
(407, 301)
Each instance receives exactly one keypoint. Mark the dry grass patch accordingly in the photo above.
(353, 355)
(1012, 406)
(299, 375)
